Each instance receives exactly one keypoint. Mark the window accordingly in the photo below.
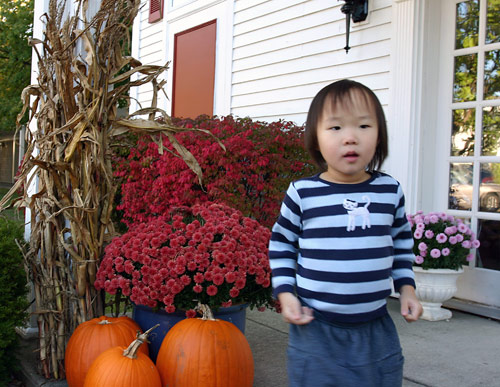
(474, 144)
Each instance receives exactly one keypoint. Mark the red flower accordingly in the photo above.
(197, 288)
(170, 309)
(218, 279)
(199, 278)
(217, 270)
(251, 174)
(212, 290)
(230, 277)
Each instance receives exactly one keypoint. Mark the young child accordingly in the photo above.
(340, 238)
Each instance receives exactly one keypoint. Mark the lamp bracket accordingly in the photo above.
(357, 10)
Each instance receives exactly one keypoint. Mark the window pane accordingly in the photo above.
(467, 27)
(488, 235)
(491, 77)
(493, 22)
(464, 85)
(489, 189)
(491, 131)
(460, 195)
(462, 133)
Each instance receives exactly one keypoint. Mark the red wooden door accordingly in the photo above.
(194, 71)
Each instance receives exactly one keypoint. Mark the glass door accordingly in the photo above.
(469, 135)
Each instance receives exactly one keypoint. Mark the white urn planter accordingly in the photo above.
(435, 286)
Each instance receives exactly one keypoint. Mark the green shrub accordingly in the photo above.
(13, 294)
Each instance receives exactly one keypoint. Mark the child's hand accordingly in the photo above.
(292, 310)
(411, 309)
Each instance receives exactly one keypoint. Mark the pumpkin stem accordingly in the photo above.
(205, 311)
(131, 351)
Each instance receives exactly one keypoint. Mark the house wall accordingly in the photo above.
(274, 56)
(284, 52)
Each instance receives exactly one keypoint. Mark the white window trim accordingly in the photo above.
(222, 11)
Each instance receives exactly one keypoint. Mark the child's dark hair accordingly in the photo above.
(340, 92)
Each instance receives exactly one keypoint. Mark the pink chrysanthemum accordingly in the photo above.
(435, 253)
(448, 240)
(418, 234)
(441, 238)
(422, 246)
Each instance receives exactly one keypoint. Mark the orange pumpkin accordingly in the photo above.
(204, 352)
(124, 367)
(93, 337)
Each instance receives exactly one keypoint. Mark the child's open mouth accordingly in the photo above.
(351, 156)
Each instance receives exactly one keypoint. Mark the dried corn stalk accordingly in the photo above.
(69, 156)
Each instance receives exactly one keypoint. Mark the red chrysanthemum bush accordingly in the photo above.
(208, 253)
(251, 175)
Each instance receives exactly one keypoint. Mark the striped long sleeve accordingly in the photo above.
(337, 246)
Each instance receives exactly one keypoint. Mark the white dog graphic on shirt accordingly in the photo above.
(353, 211)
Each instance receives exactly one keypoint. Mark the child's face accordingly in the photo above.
(347, 138)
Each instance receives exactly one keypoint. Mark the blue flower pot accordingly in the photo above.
(147, 318)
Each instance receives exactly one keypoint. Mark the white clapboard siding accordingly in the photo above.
(314, 33)
(284, 52)
(149, 47)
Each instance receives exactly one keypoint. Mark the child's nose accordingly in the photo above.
(350, 137)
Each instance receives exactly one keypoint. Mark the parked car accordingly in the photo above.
(489, 197)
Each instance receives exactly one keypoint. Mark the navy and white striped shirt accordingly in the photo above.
(336, 246)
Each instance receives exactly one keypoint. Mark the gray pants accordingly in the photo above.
(323, 354)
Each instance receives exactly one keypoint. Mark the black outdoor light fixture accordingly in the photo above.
(358, 11)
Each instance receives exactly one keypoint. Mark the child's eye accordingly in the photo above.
(335, 128)
(365, 126)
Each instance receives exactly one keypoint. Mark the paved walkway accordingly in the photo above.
(461, 352)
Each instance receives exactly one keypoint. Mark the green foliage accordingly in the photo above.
(11, 213)
(16, 23)
(13, 291)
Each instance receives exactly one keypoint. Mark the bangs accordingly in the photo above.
(350, 99)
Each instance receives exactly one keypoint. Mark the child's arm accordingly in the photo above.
(283, 246)
(410, 306)
(292, 310)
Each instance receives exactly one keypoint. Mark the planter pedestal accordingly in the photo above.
(435, 286)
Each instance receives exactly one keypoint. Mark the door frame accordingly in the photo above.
(190, 15)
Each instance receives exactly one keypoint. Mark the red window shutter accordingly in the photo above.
(155, 10)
